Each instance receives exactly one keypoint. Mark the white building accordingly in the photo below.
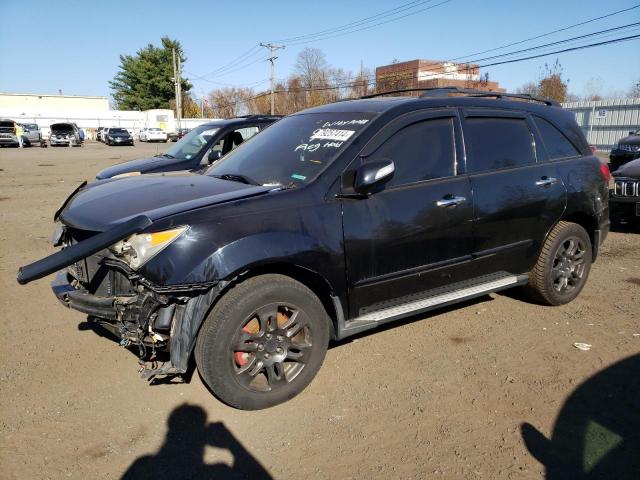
(88, 112)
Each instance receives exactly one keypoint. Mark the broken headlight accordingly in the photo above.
(139, 249)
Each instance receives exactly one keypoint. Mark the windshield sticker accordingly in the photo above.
(332, 134)
(295, 176)
(344, 123)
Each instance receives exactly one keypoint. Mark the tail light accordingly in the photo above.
(606, 174)
(593, 149)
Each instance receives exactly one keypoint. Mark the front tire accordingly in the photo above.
(563, 265)
(263, 342)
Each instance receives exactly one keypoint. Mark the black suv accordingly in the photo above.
(332, 222)
(627, 149)
(624, 200)
(198, 149)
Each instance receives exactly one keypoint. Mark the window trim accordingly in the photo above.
(544, 144)
(497, 114)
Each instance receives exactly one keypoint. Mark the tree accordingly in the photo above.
(635, 90)
(145, 80)
(230, 101)
(550, 84)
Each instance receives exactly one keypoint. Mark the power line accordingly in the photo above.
(519, 42)
(530, 57)
(391, 12)
(369, 26)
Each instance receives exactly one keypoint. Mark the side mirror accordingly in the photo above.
(371, 176)
(214, 155)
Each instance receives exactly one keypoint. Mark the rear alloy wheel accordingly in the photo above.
(263, 342)
(563, 266)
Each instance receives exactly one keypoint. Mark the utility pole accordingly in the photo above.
(272, 48)
(178, 86)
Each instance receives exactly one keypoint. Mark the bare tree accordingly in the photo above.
(635, 90)
(230, 101)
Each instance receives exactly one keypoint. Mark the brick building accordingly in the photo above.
(430, 74)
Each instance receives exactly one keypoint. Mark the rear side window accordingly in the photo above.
(558, 146)
(421, 151)
(494, 143)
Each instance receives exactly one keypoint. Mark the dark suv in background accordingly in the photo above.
(332, 222)
(624, 200)
(627, 149)
(198, 149)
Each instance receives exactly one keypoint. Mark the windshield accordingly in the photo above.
(192, 143)
(118, 130)
(293, 151)
(154, 130)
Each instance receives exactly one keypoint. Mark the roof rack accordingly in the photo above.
(443, 92)
(257, 116)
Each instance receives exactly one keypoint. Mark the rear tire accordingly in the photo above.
(563, 265)
(263, 342)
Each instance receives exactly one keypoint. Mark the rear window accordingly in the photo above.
(558, 146)
(494, 143)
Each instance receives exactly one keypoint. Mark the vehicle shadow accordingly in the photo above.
(182, 454)
(597, 432)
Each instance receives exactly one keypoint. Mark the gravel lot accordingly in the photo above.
(449, 395)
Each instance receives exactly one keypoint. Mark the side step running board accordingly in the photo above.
(437, 298)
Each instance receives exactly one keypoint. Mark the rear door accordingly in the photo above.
(518, 197)
(416, 234)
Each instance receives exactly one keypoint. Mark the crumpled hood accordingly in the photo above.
(142, 165)
(100, 205)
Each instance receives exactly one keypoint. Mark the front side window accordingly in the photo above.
(294, 150)
(558, 146)
(421, 151)
(497, 142)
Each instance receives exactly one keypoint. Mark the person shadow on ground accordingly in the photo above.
(182, 454)
(597, 432)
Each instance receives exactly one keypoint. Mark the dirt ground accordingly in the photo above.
(453, 394)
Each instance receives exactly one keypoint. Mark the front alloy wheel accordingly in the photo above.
(263, 342)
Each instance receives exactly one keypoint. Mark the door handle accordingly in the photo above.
(450, 201)
(546, 181)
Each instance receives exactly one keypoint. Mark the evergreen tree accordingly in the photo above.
(145, 81)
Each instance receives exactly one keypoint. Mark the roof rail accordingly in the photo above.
(258, 116)
(443, 92)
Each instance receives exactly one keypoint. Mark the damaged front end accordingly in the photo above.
(96, 275)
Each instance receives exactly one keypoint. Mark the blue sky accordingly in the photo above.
(74, 46)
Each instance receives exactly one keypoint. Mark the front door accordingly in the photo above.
(415, 234)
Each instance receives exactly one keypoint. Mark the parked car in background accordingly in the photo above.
(201, 147)
(100, 134)
(182, 132)
(118, 136)
(627, 149)
(332, 222)
(64, 134)
(31, 134)
(8, 135)
(624, 198)
(153, 135)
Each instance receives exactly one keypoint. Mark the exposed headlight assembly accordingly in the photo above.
(139, 249)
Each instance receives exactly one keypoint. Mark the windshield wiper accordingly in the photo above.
(165, 155)
(233, 177)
